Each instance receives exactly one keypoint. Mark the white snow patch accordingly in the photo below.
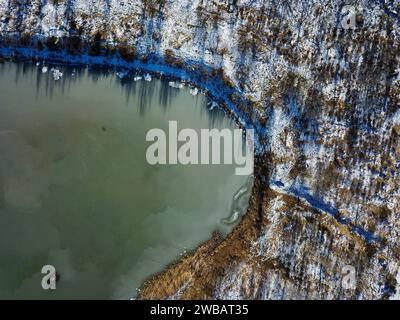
(213, 105)
(122, 74)
(57, 74)
(176, 84)
(194, 91)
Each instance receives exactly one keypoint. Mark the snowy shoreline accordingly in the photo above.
(214, 88)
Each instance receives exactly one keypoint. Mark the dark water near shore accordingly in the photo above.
(76, 191)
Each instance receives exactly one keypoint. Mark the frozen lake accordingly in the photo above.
(76, 191)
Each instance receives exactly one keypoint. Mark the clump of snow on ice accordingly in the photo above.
(194, 91)
(176, 84)
(122, 74)
(213, 105)
(57, 74)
